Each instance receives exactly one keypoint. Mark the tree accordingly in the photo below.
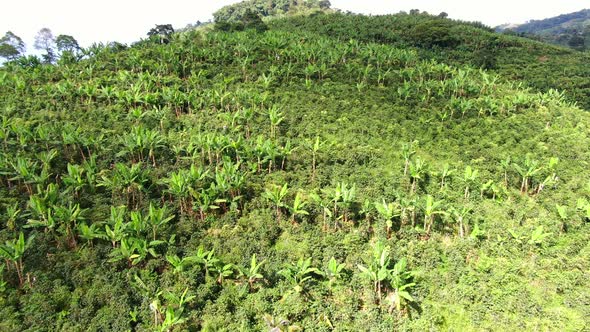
(66, 43)
(45, 41)
(162, 32)
(324, 4)
(250, 19)
(577, 42)
(11, 46)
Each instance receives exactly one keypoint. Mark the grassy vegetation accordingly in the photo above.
(291, 180)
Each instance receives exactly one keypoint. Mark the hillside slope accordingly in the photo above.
(571, 29)
(377, 190)
(538, 65)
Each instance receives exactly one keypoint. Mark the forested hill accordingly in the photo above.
(571, 29)
(535, 64)
(271, 9)
(320, 178)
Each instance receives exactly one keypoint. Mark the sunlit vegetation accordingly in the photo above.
(287, 180)
(534, 64)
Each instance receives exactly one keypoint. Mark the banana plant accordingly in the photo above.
(137, 224)
(408, 206)
(2, 282)
(445, 174)
(469, 177)
(529, 169)
(167, 314)
(207, 259)
(408, 151)
(41, 213)
(68, 218)
(461, 217)
(204, 201)
(400, 278)
(297, 209)
(276, 195)
(388, 211)
(181, 264)
(276, 117)
(223, 271)
(179, 185)
(334, 271)
(173, 314)
(127, 180)
(252, 274)
(134, 250)
(325, 206)
(13, 251)
(344, 196)
(562, 212)
(315, 146)
(417, 173)
(431, 208)
(75, 180)
(487, 188)
(538, 236)
(583, 206)
(506, 164)
(116, 228)
(276, 324)
(12, 215)
(377, 269)
(299, 274)
(157, 217)
(90, 233)
(24, 171)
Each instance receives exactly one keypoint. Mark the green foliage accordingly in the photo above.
(537, 65)
(11, 46)
(153, 178)
(567, 29)
(299, 274)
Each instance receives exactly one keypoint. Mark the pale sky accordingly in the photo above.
(129, 20)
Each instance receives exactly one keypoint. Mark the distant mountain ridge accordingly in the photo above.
(571, 29)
